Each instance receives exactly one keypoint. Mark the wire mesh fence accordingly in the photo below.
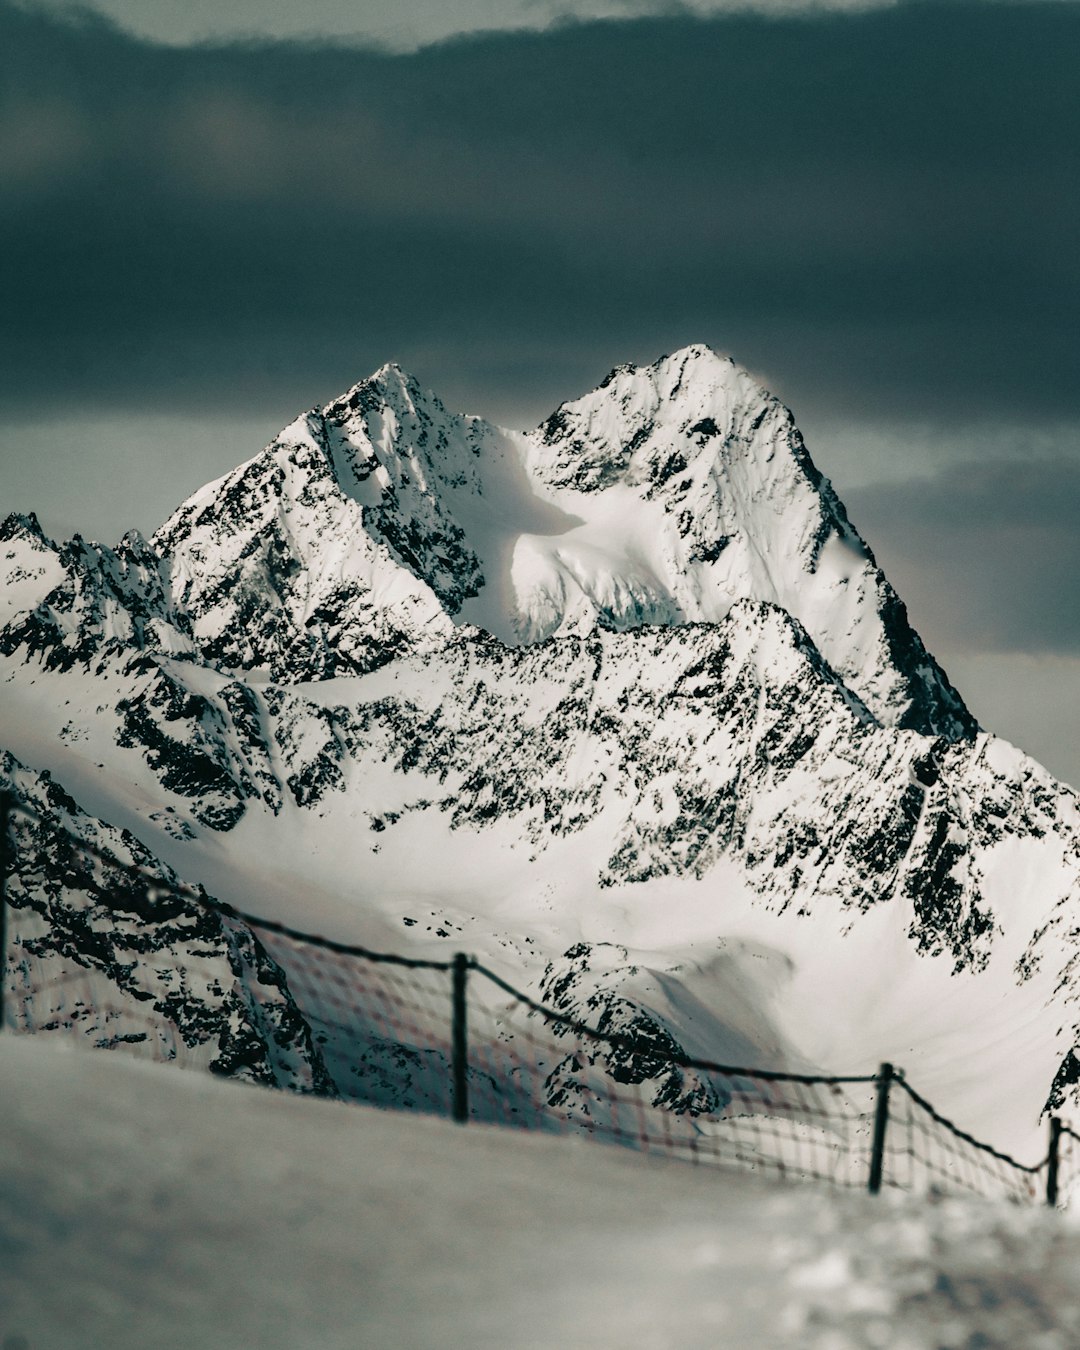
(1063, 1162)
(120, 956)
(925, 1151)
(382, 1026)
(542, 1069)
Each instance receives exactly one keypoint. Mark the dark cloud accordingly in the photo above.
(987, 555)
(877, 210)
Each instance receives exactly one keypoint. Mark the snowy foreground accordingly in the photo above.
(141, 1205)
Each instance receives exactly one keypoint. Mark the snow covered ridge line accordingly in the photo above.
(384, 523)
(405, 1032)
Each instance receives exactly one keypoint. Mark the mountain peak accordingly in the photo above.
(390, 388)
(28, 527)
(662, 497)
(694, 368)
(392, 378)
(693, 391)
(695, 363)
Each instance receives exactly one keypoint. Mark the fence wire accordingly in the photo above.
(122, 957)
(926, 1152)
(383, 1028)
(542, 1069)
(1068, 1169)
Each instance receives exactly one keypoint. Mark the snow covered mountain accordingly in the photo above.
(663, 497)
(632, 679)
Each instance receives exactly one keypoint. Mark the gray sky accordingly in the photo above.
(401, 24)
(873, 207)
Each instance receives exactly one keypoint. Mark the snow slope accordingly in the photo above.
(141, 1206)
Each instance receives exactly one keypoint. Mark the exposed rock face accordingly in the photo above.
(104, 945)
(632, 678)
(648, 1061)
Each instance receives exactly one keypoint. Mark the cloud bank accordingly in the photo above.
(402, 24)
(881, 206)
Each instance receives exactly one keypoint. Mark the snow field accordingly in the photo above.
(144, 1205)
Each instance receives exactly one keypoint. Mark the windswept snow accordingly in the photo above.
(144, 1206)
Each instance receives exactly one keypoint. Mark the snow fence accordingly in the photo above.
(448, 1037)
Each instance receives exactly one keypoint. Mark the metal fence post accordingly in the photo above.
(881, 1124)
(6, 862)
(1053, 1161)
(459, 1039)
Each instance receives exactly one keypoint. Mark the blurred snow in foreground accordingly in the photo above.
(141, 1205)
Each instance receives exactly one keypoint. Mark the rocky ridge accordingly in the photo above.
(104, 944)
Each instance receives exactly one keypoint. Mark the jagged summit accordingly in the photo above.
(697, 375)
(384, 522)
(17, 525)
(391, 385)
(664, 495)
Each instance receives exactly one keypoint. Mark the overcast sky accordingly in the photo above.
(213, 216)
